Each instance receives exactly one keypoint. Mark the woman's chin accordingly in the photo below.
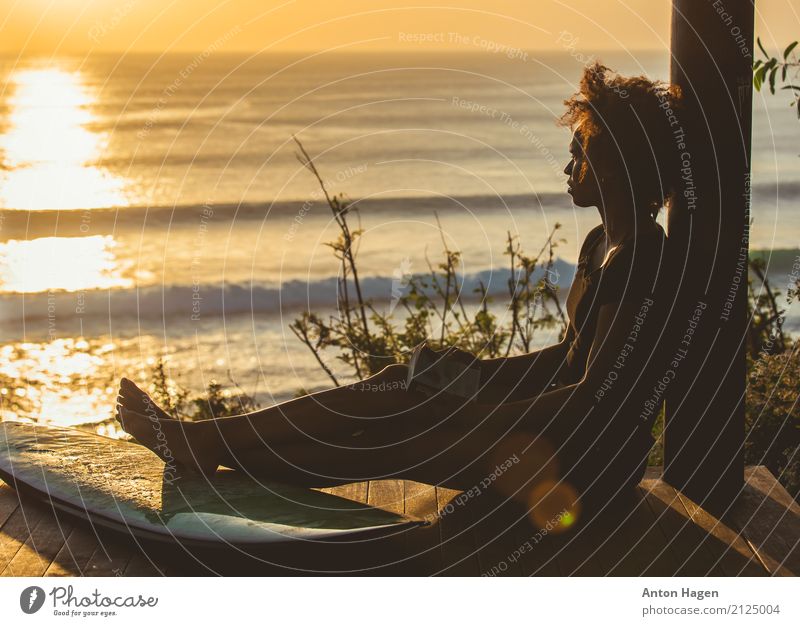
(577, 201)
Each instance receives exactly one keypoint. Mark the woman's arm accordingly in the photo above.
(518, 377)
(574, 410)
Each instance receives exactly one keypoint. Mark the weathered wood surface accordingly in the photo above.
(662, 532)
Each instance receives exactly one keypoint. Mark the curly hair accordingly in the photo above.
(627, 127)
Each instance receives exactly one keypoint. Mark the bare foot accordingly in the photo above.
(136, 400)
(177, 443)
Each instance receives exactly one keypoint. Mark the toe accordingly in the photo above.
(128, 387)
(128, 419)
(123, 395)
(131, 386)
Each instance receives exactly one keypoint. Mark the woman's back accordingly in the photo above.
(610, 453)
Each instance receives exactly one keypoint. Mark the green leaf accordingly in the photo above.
(757, 64)
(761, 46)
(789, 49)
(759, 77)
(772, 75)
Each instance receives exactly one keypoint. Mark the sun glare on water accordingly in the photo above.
(60, 264)
(50, 159)
(48, 152)
(59, 391)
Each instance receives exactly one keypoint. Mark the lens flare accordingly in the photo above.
(554, 506)
(519, 462)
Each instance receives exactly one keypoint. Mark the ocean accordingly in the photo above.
(154, 206)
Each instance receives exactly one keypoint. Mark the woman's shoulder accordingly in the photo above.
(595, 233)
(591, 237)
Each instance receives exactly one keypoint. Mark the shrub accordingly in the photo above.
(772, 416)
(215, 402)
(435, 306)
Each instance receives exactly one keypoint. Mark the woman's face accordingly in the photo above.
(584, 189)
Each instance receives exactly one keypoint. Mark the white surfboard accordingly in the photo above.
(123, 486)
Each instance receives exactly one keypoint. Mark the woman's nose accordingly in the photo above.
(568, 169)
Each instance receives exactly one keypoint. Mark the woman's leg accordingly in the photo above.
(379, 400)
(315, 464)
(479, 458)
(442, 444)
(374, 412)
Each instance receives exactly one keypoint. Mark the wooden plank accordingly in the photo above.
(357, 492)
(352, 491)
(634, 545)
(17, 529)
(422, 544)
(142, 565)
(495, 535)
(576, 551)
(537, 554)
(728, 547)
(648, 552)
(186, 563)
(41, 547)
(459, 553)
(74, 555)
(420, 501)
(386, 494)
(685, 540)
(762, 479)
(110, 558)
(769, 521)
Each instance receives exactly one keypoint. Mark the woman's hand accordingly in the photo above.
(452, 370)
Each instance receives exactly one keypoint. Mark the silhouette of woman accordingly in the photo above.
(577, 414)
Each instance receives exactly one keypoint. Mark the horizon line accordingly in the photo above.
(298, 51)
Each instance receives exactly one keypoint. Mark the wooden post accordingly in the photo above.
(712, 56)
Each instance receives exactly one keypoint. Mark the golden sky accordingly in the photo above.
(53, 27)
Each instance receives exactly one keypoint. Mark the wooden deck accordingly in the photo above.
(660, 533)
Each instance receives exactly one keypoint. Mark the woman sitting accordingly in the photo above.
(573, 416)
